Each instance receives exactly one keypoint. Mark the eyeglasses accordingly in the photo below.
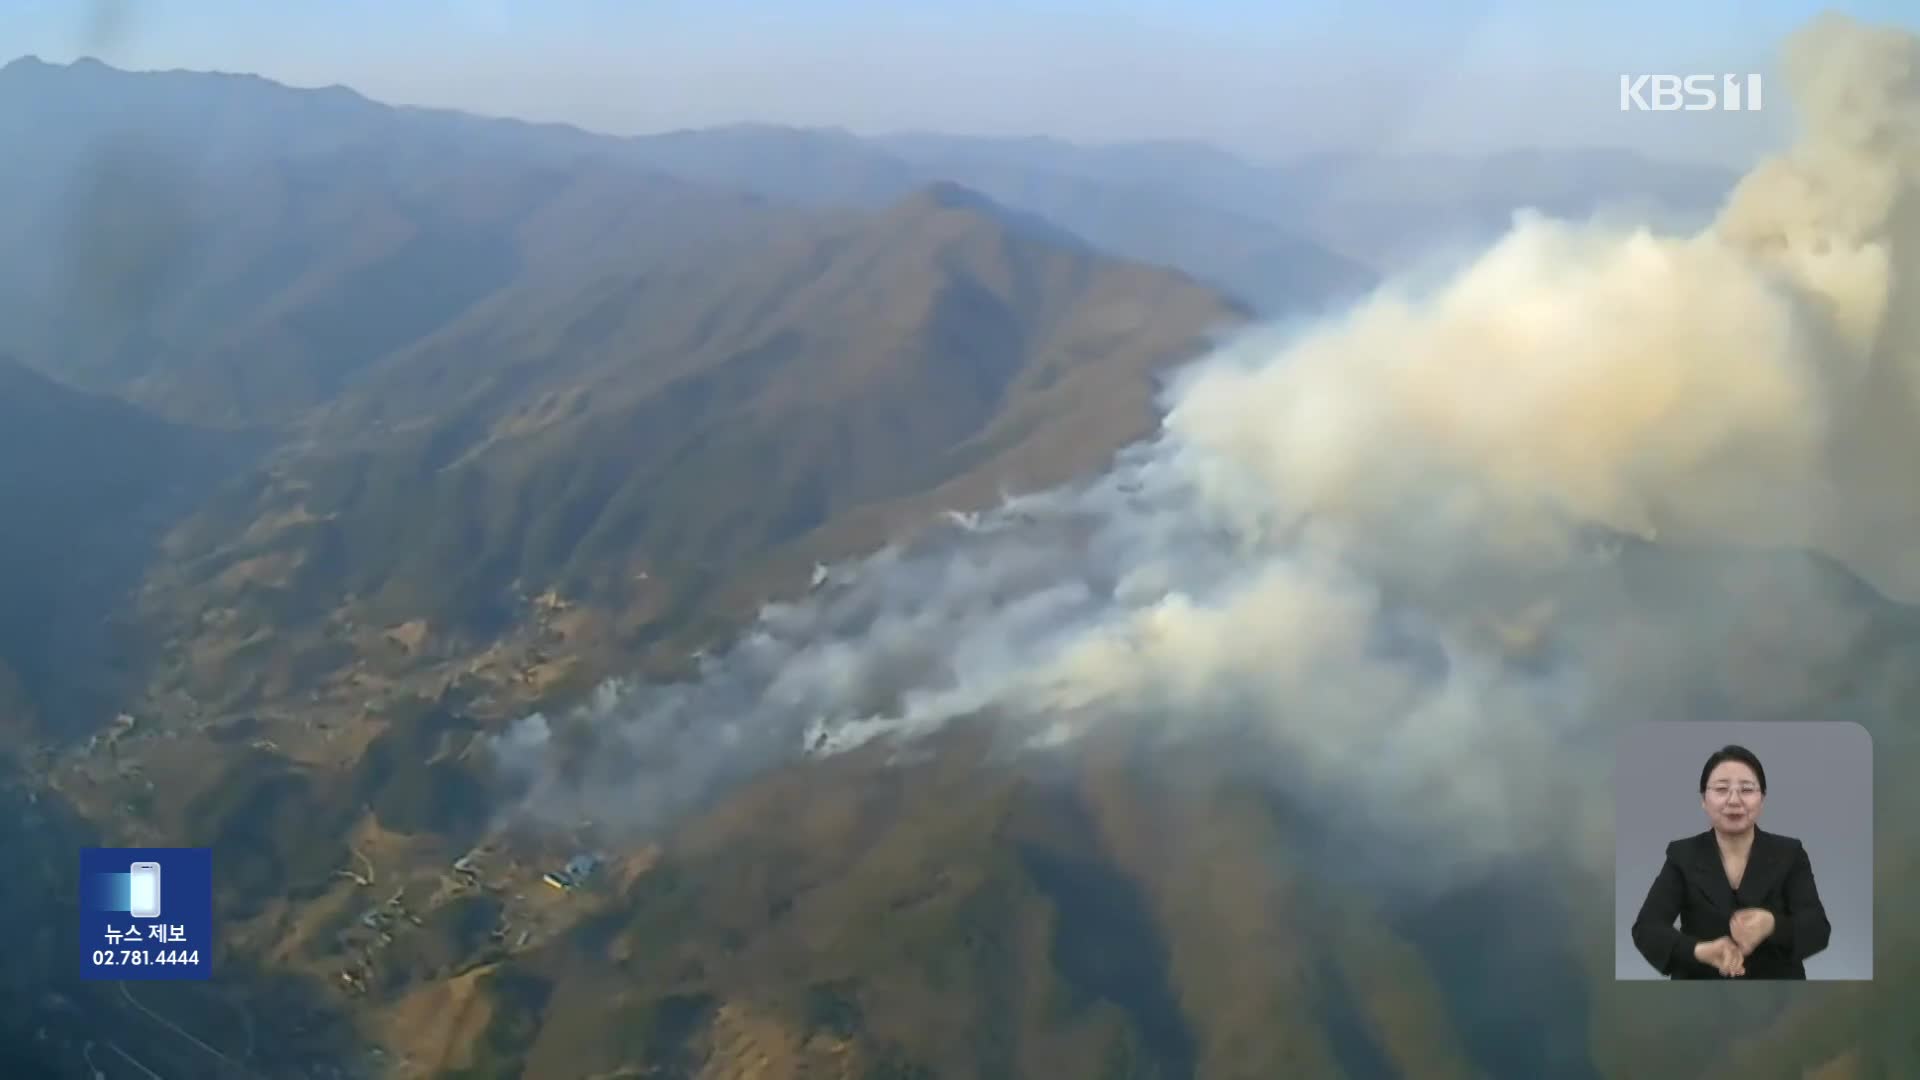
(1721, 791)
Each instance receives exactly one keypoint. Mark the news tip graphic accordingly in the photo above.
(146, 913)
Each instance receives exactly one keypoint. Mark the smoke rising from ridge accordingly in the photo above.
(1425, 557)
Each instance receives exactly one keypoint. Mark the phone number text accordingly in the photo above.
(143, 957)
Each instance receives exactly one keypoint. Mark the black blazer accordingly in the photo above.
(1692, 887)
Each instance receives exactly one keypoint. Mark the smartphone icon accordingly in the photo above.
(143, 892)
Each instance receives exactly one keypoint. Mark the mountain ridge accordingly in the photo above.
(859, 361)
(1289, 238)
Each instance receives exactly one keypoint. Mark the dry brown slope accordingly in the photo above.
(806, 396)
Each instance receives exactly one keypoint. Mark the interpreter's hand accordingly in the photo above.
(1750, 927)
(1723, 955)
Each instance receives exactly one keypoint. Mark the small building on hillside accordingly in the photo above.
(576, 873)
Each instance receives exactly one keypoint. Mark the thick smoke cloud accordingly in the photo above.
(1424, 558)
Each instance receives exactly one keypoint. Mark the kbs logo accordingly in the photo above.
(1690, 93)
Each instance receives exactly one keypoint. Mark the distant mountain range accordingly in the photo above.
(180, 204)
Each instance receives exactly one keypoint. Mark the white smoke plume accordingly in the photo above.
(1422, 555)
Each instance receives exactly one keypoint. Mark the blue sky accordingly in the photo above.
(1265, 77)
